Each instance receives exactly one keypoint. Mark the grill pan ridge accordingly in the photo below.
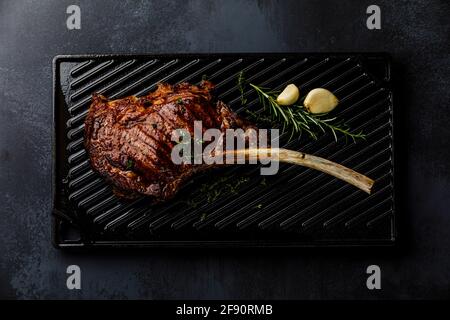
(296, 207)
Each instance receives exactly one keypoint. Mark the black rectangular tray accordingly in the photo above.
(233, 206)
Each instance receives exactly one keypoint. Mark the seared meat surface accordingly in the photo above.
(129, 140)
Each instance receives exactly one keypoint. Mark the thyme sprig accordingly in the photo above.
(241, 85)
(211, 191)
(297, 119)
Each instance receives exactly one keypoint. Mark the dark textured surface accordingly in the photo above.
(415, 33)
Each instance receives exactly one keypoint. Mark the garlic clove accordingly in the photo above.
(288, 96)
(320, 100)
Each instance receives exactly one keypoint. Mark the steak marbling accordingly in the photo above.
(129, 140)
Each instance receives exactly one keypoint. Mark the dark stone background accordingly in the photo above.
(416, 33)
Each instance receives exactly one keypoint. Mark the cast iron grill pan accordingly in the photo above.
(296, 207)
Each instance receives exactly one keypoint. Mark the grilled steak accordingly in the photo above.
(129, 140)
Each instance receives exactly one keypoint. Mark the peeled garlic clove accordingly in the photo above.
(288, 96)
(320, 100)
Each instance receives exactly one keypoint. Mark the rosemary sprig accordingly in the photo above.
(297, 119)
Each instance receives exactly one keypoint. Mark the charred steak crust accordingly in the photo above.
(129, 140)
